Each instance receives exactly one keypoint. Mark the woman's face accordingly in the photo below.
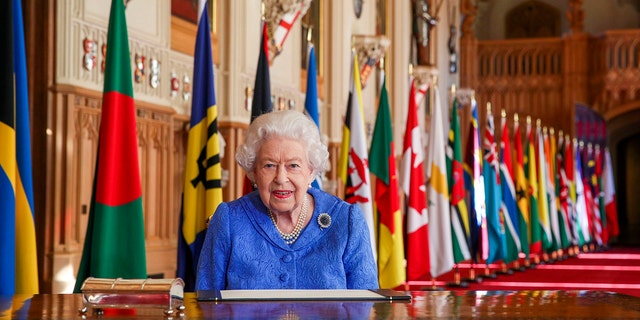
(282, 174)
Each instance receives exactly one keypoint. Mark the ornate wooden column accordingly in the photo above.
(575, 65)
(468, 46)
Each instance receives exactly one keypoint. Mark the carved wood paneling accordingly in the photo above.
(233, 134)
(525, 76)
(161, 146)
(614, 64)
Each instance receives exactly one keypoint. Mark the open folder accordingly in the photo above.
(300, 294)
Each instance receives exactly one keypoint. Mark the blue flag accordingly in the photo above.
(491, 169)
(19, 269)
(203, 172)
(311, 99)
(474, 188)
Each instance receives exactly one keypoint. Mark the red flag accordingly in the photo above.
(416, 197)
(114, 245)
(610, 196)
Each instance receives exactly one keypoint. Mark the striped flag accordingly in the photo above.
(509, 207)
(543, 204)
(353, 165)
(203, 172)
(600, 194)
(311, 98)
(455, 180)
(495, 225)
(608, 186)
(591, 195)
(19, 267)
(391, 270)
(417, 219)
(474, 186)
(562, 193)
(261, 102)
(441, 247)
(550, 158)
(570, 171)
(522, 199)
(531, 171)
(114, 246)
(582, 212)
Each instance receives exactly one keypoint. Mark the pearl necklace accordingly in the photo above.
(290, 238)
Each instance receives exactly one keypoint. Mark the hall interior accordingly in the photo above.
(539, 58)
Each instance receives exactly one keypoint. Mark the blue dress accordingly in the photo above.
(243, 250)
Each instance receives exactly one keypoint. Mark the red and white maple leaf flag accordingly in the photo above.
(415, 191)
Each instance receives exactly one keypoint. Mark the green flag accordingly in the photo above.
(114, 244)
(535, 245)
(391, 268)
(455, 177)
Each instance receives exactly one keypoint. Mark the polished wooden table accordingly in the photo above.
(424, 304)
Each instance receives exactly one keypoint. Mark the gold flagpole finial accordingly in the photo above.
(309, 33)
(503, 113)
(515, 117)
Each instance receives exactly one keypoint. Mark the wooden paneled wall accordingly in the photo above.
(162, 142)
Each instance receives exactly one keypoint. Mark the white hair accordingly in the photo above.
(286, 124)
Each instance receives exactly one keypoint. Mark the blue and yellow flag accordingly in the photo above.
(19, 268)
(203, 172)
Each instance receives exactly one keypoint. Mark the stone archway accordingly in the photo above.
(624, 145)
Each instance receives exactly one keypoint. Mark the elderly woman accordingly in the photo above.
(286, 234)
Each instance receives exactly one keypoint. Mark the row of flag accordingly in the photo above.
(485, 206)
(118, 201)
(114, 243)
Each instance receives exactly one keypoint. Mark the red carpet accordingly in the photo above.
(616, 269)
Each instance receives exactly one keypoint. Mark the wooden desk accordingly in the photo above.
(424, 304)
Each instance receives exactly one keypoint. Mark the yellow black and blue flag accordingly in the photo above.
(203, 172)
(19, 267)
